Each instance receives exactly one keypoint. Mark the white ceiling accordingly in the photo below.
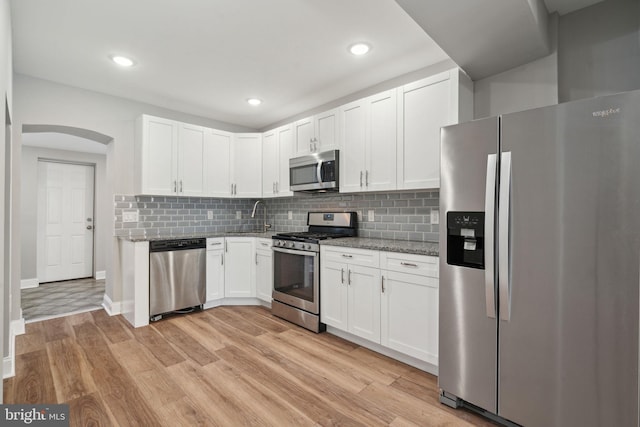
(206, 57)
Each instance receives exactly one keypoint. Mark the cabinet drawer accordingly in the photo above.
(409, 263)
(351, 256)
(215, 243)
(263, 244)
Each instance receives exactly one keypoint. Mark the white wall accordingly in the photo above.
(528, 86)
(40, 102)
(6, 92)
(29, 205)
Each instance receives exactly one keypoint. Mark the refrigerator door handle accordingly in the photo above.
(504, 238)
(489, 227)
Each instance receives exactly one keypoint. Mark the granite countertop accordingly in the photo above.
(389, 245)
(265, 235)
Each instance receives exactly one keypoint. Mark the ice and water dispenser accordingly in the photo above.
(465, 239)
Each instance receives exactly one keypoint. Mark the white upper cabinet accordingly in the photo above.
(191, 160)
(423, 108)
(316, 134)
(156, 152)
(368, 155)
(246, 165)
(277, 149)
(218, 159)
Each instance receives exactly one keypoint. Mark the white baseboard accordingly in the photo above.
(412, 361)
(29, 283)
(112, 308)
(8, 363)
(100, 275)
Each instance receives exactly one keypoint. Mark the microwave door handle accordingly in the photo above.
(319, 173)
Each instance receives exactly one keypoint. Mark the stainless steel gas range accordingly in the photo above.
(296, 267)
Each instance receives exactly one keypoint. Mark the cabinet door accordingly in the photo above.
(264, 275)
(240, 279)
(326, 131)
(247, 165)
(159, 156)
(303, 134)
(191, 160)
(380, 173)
(352, 155)
(215, 274)
(423, 109)
(270, 170)
(218, 163)
(285, 152)
(364, 302)
(333, 294)
(409, 312)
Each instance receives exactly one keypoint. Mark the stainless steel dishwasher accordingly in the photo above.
(177, 275)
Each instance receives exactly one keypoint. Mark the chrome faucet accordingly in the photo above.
(264, 209)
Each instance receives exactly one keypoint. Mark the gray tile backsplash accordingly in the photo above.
(397, 215)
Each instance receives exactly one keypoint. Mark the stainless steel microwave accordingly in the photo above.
(315, 172)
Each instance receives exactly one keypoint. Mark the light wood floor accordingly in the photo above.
(228, 366)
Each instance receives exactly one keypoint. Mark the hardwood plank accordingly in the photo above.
(226, 315)
(89, 410)
(409, 407)
(430, 395)
(7, 390)
(134, 357)
(79, 318)
(157, 345)
(401, 422)
(201, 331)
(187, 344)
(264, 320)
(89, 336)
(130, 409)
(57, 329)
(157, 387)
(214, 397)
(274, 409)
(183, 412)
(69, 370)
(277, 379)
(30, 341)
(328, 342)
(110, 326)
(33, 381)
(366, 371)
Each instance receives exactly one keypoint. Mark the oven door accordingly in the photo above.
(296, 279)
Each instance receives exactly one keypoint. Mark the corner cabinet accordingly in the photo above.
(170, 157)
(239, 276)
(423, 108)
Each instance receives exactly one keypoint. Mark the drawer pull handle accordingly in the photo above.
(347, 256)
(408, 264)
(383, 284)
(216, 243)
(342, 276)
(264, 244)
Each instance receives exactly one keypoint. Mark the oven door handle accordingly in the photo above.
(295, 252)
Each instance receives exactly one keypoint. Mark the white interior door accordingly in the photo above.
(65, 221)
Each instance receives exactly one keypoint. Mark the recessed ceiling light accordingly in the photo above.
(123, 61)
(359, 49)
(254, 101)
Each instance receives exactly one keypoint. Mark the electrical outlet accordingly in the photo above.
(130, 216)
(370, 216)
(238, 214)
(435, 216)
(209, 214)
(290, 215)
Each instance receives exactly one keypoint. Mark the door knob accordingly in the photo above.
(89, 227)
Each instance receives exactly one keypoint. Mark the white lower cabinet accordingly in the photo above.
(387, 298)
(215, 269)
(264, 269)
(239, 277)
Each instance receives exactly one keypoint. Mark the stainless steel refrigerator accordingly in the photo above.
(540, 264)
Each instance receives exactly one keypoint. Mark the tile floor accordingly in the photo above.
(59, 298)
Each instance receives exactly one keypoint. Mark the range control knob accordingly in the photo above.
(291, 244)
(307, 247)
